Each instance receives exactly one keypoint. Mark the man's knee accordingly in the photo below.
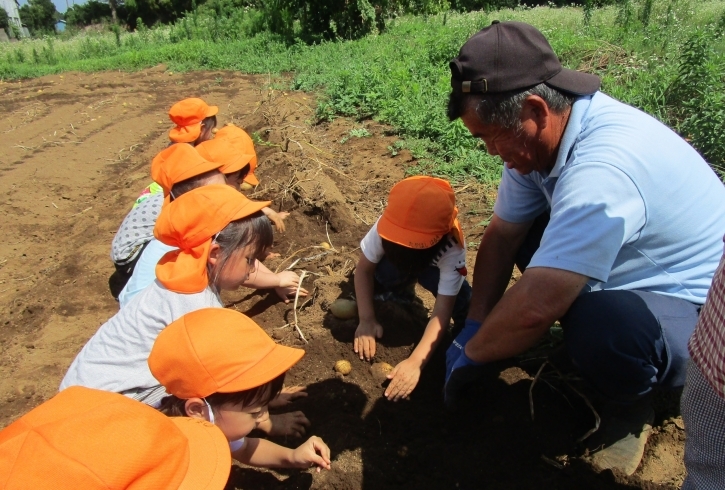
(617, 342)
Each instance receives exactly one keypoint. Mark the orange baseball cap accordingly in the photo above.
(420, 211)
(217, 350)
(188, 115)
(189, 223)
(92, 439)
(177, 163)
(247, 147)
(230, 152)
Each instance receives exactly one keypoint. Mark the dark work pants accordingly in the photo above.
(624, 343)
(389, 279)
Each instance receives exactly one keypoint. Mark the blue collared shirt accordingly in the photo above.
(633, 206)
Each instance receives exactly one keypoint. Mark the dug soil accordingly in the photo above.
(75, 153)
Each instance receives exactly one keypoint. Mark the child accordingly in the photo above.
(229, 155)
(236, 172)
(218, 233)
(218, 365)
(89, 439)
(417, 239)
(195, 121)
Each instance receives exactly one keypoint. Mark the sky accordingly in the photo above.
(60, 5)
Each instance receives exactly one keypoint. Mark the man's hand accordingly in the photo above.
(314, 452)
(459, 343)
(365, 335)
(287, 396)
(288, 283)
(293, 424)
(463, 373)
(404, 378)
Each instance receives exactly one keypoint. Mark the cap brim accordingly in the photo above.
(201, 168)
(251, 179)
(278, 361)
(212, 111)
(575, 82)
(407, 238)
(210, 460)
(248, 208)
(238, 164)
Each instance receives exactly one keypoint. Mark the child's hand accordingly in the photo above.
(293, 424)
(276, 218)
(288, 282)
(288, 395)
(404, 378)
(365, 335)
(314, 452)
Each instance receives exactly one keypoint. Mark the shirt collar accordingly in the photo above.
(571, 134)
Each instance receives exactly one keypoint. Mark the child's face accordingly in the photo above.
(236, 421)
(237, 269)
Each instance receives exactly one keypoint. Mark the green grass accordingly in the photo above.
(401, 77)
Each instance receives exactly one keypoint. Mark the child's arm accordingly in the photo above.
(284, 283)
(276, 218)
(368, 329)
(406, 374)
(266, 454)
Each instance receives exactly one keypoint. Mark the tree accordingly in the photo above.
(4, 19)
(39, 16)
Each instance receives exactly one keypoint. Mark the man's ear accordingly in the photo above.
(196, 408)
(536, 109)
(214, 254)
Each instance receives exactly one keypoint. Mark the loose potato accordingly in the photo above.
(344, 309)
(343, 367)
(380, 371)
(325, 245)
(246, 186)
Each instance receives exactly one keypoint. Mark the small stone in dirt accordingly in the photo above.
(278, 335)
(344, 367)
(380, 371)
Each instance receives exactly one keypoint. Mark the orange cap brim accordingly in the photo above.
(212, 111)
(185, 134)
(209, 458)
(251, 179)
(407, 238)
(278, 361)
(239, 163)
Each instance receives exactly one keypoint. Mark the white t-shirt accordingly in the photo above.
(116, 357)
(451, 260)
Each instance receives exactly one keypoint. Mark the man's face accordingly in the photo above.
(518, 148)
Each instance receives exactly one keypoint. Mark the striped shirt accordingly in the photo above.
(707, 344)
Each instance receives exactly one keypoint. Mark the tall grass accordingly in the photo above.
(646, 51)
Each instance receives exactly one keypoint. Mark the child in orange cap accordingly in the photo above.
(217, 234)
(417, 239)
(195, 121)
(175, 170)
(89, 439)
(240, 169)
(218, 365)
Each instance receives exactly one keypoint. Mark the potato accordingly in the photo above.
(325, 245)
(380, 371)
(344, 367)
(246, 186)
(344, 309)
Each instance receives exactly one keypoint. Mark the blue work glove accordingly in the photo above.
(454, 351)
(463, 372)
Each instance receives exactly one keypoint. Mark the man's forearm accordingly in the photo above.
(492, 273)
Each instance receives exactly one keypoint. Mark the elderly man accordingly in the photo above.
(614, 220)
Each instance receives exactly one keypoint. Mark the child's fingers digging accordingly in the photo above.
(288, 395)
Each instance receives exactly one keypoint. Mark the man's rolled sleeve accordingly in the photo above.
(596, 209)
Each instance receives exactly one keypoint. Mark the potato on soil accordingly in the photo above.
(344, 309)
(380, 371)
(325, 245)
(246, 186)
(343, 367)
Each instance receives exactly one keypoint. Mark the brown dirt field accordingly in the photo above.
(76, 151)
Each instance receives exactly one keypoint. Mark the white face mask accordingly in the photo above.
(233, 445)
